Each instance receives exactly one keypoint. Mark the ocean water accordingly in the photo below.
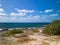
(20, 25)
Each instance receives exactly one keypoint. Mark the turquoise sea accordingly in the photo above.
(20, 25)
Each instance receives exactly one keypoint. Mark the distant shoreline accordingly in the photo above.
(21, 28)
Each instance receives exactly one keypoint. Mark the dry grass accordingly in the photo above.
(24, 39)
(45, 43)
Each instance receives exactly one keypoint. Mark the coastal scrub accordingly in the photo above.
(13, 32)
(53, 28)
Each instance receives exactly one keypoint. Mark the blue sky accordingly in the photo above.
(29, 10)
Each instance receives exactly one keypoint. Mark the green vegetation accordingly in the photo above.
(13, 32)
(53, 28)
(35, 30)
(17, 31)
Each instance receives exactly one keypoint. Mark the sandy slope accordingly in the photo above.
(30, 39)
(39, 39)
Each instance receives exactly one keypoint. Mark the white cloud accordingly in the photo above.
(13, 14)
(24, 16)
(17, 14)
(47, 11)
(21, 14)
(54, 15)
(3, 14)
(24, 10)
(36, 17)
(1, 10)
(30, 18)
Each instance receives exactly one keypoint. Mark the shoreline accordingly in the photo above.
(22, 28)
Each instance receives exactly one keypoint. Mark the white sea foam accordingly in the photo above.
(1, 29)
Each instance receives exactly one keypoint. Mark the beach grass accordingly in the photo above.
(13, 32)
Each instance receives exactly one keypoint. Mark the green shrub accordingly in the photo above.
(53, 28)
(13, 32)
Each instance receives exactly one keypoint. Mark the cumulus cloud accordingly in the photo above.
(54, 15)
(13, 14)
(19, 19)
(3, 14)
(47, 11)
(1, 10)
(21, 14)
(24, 10)
(17, 14)
(24, 16)
(30, 19)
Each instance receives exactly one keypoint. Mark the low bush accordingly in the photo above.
(53, 28)
(13, 32)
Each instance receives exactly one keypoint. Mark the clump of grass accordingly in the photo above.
(45, 43)
(13, 32)
(32, 31)
(35, 30)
